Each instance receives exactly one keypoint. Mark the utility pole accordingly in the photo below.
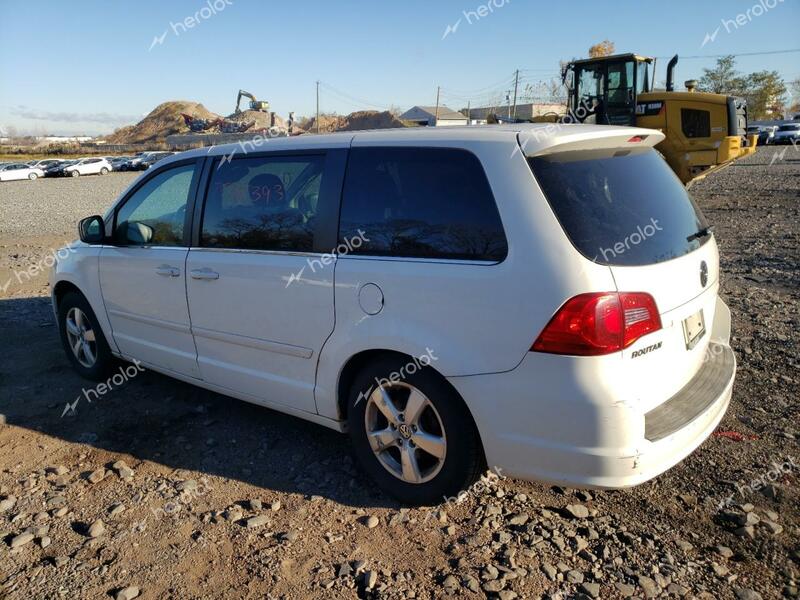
(436, 118)
(317, 105)
(516, 84)
(508, 103)
(469, 119)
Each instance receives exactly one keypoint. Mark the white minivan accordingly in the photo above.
(538, 299)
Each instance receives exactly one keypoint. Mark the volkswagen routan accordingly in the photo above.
(542, 300)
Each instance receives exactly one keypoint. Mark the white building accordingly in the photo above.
(430, 116)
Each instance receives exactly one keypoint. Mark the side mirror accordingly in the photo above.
(92, 230)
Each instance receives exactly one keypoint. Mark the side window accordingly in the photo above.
(420, 202)
(263, 203)
(695, 123)
(155, 213)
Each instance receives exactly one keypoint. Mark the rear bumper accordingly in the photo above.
(530, 433)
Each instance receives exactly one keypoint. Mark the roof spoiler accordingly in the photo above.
(671, 73)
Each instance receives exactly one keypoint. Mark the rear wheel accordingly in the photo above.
(82, 338)
(32, 176)
(74, 173)
(103, 171)
(413, 436)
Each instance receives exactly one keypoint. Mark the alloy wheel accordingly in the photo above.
(405, 432)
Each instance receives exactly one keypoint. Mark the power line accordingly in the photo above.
(763, 53)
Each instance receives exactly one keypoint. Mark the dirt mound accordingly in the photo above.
(327, 123)
(364, 119)
(372, 119)
(262, 120)
(165, 119)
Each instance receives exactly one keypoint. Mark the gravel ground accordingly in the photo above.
(163, 490)
(54, 205)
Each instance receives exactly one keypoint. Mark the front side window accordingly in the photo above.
(420, 202)
(155, 213)
(263, 203)
(695, 123)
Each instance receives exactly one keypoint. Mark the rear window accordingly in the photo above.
(789, 128)
(620, 207)
(420, 202)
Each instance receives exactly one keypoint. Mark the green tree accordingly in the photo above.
(765, 93)
(723, 78)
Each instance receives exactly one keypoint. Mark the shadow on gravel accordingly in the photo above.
(150, 417)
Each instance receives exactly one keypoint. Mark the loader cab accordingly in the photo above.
(604, 90)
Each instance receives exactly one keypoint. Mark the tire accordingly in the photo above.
(103, 171)
(444, 418)
(98, 369)
(32, 176)
(74, 173)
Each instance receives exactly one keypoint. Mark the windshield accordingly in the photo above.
(620, 207)
(789, 128)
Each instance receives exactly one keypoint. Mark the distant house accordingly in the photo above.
(429, 116)
(524, 111)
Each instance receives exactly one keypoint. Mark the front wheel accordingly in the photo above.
(74, 173)
(103, 171)
(82, 338)
(412, 433)
(32, 176)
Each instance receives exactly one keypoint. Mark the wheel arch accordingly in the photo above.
(360, 360)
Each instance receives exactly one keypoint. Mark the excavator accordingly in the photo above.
(704, 131)
(259, 105)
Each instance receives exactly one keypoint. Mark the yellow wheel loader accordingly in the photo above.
(703, 131)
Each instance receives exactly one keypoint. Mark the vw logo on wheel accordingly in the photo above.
(404, 430)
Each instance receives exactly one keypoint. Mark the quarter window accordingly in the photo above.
(156, 212)
(696, 123)
(263, 203)
(420, 202)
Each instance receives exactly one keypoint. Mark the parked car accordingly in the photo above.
(58, 169)
(88, 166)
(117, 161)
(540, 300)
(134, 164)
(153, 158)
(45, 163)
(765, 133)
(788, 133)
(14, 171)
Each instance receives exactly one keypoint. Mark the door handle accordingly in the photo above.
(167, 271)
(206, 274)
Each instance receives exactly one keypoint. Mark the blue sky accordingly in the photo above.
(88, 66)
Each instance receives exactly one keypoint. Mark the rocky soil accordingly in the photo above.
(156, 489)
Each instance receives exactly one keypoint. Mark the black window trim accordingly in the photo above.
(426, 259)
(326, 233)
(111, 226)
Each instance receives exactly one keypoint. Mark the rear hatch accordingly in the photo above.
(623, 207)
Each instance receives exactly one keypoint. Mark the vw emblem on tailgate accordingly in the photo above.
(703, 273)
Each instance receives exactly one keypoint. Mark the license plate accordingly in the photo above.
(694, 328)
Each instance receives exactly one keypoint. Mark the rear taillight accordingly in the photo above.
(599, 323)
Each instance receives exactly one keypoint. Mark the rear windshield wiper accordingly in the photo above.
(704, 232)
